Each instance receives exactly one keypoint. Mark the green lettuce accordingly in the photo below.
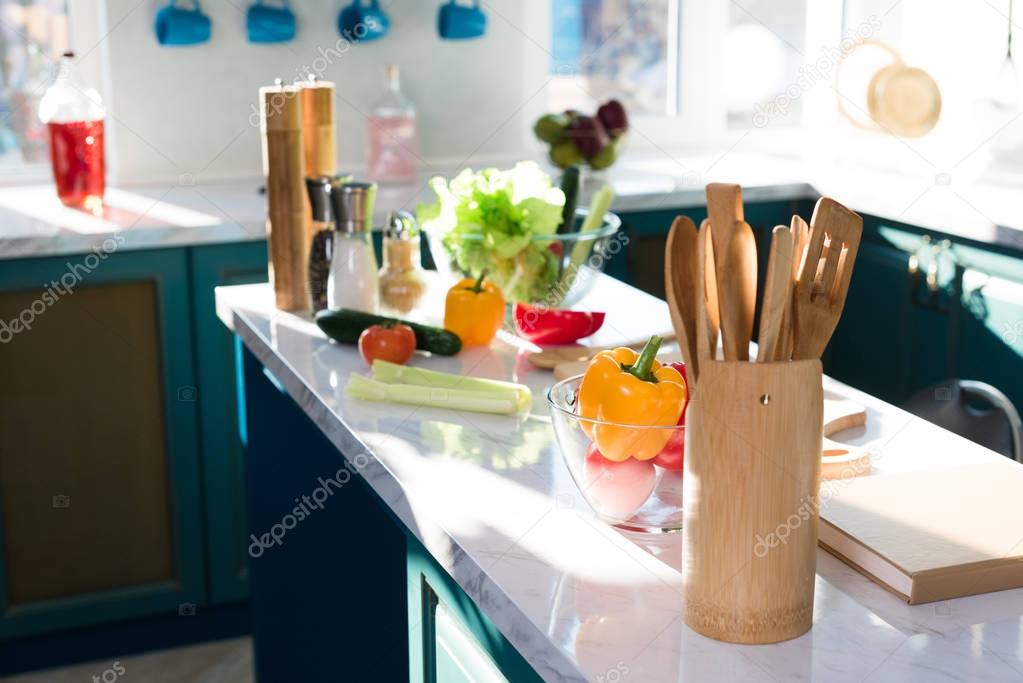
(489, 219)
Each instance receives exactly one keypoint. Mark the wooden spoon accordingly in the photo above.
(681, 286)
(777, 291)
(835, 234)
(737, 292)
(708, 318)
(800, 237)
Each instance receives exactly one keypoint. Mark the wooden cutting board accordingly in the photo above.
(840, 460)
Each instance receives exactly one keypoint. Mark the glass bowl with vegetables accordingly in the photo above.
(519, 228)
(621, 431)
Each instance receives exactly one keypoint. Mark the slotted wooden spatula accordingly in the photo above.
(835, 233)
(682, 287)
(777, 291)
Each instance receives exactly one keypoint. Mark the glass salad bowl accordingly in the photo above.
(556, 270)
(636, 495)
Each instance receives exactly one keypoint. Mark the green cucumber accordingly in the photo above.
(345, 326)
(570, 186)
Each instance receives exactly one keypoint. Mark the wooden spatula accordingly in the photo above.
(737, 291)
(708, 318)
(800, 237)
(724, 208)
(681, 286)
(835, 234)
(777, 291)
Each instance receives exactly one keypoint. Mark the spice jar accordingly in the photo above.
(401, 279)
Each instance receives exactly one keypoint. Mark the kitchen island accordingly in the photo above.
(455, 546)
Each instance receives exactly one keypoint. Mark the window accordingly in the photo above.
(624, 49)
(765, 46)
(33, 35)
(689, 67)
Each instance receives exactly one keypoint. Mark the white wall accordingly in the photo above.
(187, 110)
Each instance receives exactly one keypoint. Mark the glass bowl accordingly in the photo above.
(636, 495)
(555, 270)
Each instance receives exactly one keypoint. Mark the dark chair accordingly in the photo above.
(974, 410)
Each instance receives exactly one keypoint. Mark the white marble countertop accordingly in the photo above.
(492, 500)
(985, 209)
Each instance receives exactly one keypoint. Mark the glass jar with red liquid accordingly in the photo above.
(74, 117)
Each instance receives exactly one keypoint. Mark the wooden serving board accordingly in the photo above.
(839, 460)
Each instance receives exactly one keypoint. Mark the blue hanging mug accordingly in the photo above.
(267, 23)
(458, 22)
(363, 21)
(181, 25)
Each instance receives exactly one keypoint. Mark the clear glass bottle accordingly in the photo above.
(353, 281)
(74, 117)
(401, 279)
(392, 134)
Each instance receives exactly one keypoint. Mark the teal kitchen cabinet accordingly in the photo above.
(100, 503)
(922, 308)
(450, 640)
(222, 461)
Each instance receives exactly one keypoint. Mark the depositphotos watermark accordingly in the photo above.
(808, 508)
(307, 504)
(55, 289)
(326, 57)
(816, 71)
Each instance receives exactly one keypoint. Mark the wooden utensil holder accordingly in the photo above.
(752, 477)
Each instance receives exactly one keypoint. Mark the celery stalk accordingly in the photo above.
(599, 205)
(392, 373)
(436, 397)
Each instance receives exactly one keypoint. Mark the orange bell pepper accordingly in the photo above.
(474, 310)
(635, 392)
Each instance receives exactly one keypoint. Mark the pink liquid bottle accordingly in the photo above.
(74, 117)
(393, 139)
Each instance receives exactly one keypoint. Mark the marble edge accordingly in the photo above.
(135, 239)
(550, 662)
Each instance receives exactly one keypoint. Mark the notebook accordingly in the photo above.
(931, 535)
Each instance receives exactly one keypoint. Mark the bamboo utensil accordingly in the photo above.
(754, 436)
(777, 291)
(800, 237)
(737, 290)
(835, 234)
(707, 311)
(724, 208)
(682, 286)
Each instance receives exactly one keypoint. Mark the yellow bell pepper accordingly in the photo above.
(635, 392)
(474, 310)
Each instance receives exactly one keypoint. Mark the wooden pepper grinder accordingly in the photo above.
(288, 218)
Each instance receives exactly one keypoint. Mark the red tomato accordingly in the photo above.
(394, 343)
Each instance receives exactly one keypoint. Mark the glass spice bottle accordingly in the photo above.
(401, 279)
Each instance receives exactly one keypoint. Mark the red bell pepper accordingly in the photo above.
(672, 456)
(542, 325)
